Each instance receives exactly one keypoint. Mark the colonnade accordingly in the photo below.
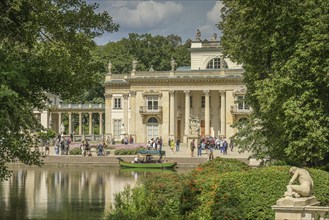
(206, 116)
(80, 122)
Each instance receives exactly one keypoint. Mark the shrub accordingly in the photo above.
(75, 151)
(198, 195)
(157, 199)
(127, 151)
(250, 195)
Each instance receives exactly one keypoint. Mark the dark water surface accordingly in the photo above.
(65, 193)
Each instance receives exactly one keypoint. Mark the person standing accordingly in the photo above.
(100, 148)
(192, 147)
(200, 148)
(177, 144)
(172, 145)
(225, 145)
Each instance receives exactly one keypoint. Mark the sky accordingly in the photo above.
(161, 17)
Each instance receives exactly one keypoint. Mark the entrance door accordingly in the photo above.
(152, 128)
(202, 129)
(178, 129)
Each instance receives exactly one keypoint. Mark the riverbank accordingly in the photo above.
(182, 157)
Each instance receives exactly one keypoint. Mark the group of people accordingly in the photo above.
(62, 145)
(86, 149)
(209, 144)
(155, 144)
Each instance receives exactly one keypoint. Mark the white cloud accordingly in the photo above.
(214, 14)
(147, 14)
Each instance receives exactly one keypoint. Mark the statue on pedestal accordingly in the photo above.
(194, 125)
(109, 67)
(214, 37)
(62, 128)
(135, 62)
(198, 35)
(173, 64)
(305, 188)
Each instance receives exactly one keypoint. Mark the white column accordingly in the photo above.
(101, 123)
(59, 122)
(125, 112)
(108, 115)
(132, 126)
(172, 114)
(187, 114)
(207, 113)
(223, 113)
(70, 123)
(90, 122)
(80, 123)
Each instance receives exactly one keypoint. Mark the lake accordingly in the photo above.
(66, 192)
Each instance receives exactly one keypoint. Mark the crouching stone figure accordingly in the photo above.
(305, 188)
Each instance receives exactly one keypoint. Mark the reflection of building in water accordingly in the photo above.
(49, 191)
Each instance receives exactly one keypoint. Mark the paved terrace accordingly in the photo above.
(183, 158)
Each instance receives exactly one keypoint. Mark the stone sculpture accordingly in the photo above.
(135, 62)
(173, 64)
(109, 66)
(194, 125)
(214, 37)
(198, 35)
(305, 188)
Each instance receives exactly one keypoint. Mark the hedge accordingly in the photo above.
(250, 195)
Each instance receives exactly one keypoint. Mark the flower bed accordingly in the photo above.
(128, 149)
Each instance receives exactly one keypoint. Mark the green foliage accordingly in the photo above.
(147, 49)
(218, 189)
(128, 151)
(250, 195)
(283, 47)
(157, 199)
(75, 151)
(44, 47)
(198, 195)
(47, 134)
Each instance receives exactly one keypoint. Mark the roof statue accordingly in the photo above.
(173, 64)
(305, 188)
(109, 66)
(151, 69)
(135, 62)
(198, 35)
(214, 37)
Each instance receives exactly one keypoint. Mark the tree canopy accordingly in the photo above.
(283, 46)
(149, 50)
(44, 47)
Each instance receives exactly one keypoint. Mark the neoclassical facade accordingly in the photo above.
(150, 104)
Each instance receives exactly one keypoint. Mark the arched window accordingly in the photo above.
(152, 128)
(215, 64)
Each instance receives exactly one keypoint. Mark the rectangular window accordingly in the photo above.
(242, 103)
(117, 128)
(152, 103)
(203, 101)
(191, 102)
(117, 103)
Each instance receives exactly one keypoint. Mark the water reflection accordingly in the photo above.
(64, 193)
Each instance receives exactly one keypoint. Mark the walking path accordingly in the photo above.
(182, 157)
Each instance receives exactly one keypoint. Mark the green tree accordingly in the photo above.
(283, 46)
(44, 47)
(147, 49)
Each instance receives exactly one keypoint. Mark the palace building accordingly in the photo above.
(184, 103)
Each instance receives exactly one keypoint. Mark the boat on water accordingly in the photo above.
(148, 159)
